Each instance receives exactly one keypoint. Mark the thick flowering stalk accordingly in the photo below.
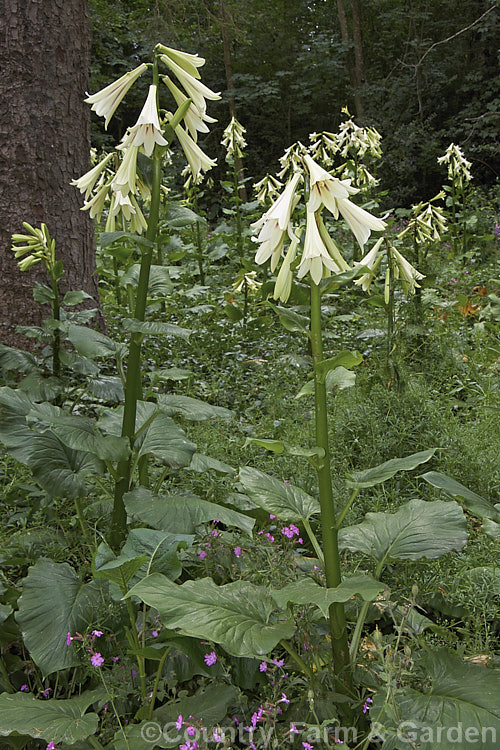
(460, 176)
(233, 139)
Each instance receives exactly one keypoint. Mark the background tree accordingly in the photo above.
(44, 143)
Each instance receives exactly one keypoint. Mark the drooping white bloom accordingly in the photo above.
(146, 132)
(194, 119)
(458, 166)
(195, 89)
(291, 161)
(198, 160)
(372, 260)
(316, 259)
(233, 139)
(324, 189)
(86, 182)
(105, 102)
(283, 285)
(267, 189)
(189, 63)
(96, 204)
(405, 272)
(273, 225)
(360, 221)
(125, 178)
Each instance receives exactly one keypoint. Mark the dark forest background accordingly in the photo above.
(411, 68)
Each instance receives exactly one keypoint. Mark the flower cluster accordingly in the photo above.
(320, 256)
(233, 139)
(124, 185)
(37, 243)
(427, 221)
(458, 166)
(403, 271)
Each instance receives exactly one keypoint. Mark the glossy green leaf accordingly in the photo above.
(152, 327)
(191, 408)
(54, 602)
(286, 501)
(167, 442)
(339, 378)
(51, 720)
(292, 321)
(181, 514)
(461, 703)
(278, 446)
(108, 238)
(77, 432)
(345, 359)
(306, 591)
(240, 616)
(383, 472)
(90, 343)
(160, 548)
(201, 463)
(120, 569)
(418, 529)
(40, 388)
(75, 298)
(107, 388)
(16, 359)
(159, 284)
(473, 502)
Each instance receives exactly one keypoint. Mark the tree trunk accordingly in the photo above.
(44, 144)
(351, 63)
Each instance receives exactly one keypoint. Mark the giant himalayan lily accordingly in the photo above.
(273, 225)
(195, 89)
(146, 132)
(194, 119)
(105, 102)
(316, 259)
(198, 160)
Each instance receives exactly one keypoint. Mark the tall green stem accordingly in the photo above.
(56, 344)
(329, 528)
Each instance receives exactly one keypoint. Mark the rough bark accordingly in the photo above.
(44, 143)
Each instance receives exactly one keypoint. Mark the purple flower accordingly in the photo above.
(284, 699)
(287, 532)
(270, 537)
(214, 533)
(51, 746)
(307, 746)
(191, 731)
(97, 660)
(115, 658)
(271, 516)
(294, 529)
(218, 737)
(24, 689)
(134, 672)
(365, 705)
(278, 662)
(97, 633)
(178, 723)
(46, 692)
(210, 659)
(68, 639)
(293, 729)
(263, 666)
(237, 551)
(154, 633)
(203, 554)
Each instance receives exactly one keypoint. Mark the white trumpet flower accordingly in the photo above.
(198, 160)
(105, 102)
(194, 119)
(273, 225)
(195, 89)
(372, 260)
(360, 221)
(316, 259)
(405, 272)
(146, 132)
(86, 182)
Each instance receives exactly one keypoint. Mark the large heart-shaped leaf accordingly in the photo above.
(153, 327)
(473, 502)
(181, 514)
(57, 468)
(77, 432)
(418, 529)
(107, 388)
(53, 720)
(238, 615)
(159, 284)
(54, 602)
(382, 472)
(90, 343)
(286, 501)
(118, 569)
(160, 548)
(167, 442)
(461, 704)
(306, 591)
(16, 359)
(191, 408)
